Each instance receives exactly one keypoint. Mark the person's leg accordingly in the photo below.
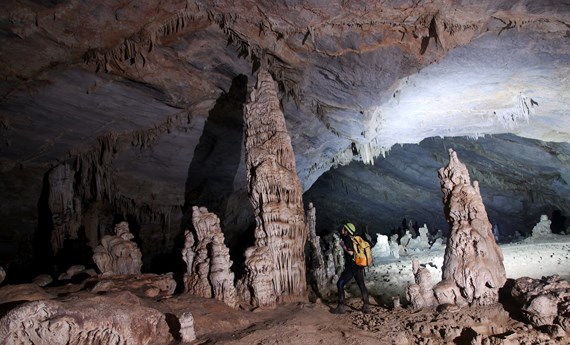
(359, 276)
(345, 277)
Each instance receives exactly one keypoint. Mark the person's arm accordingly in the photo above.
(345, 248)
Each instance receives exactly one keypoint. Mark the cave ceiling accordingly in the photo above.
(154, 90)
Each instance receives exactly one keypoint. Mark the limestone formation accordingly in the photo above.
(382, 247)
(23, 292)
(447, 292)
(208, 260)
(394, 247)
(275, 193)
(473, 260)
(117, 254)
(421, 293)
(2, 274)
(319, 273)
(42, 280)
(257, 286)
(143, 285)
(187, 332)
(542, 228)
(96, 320)
(64, 205)
(544, 301)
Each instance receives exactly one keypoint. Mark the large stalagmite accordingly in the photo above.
(473, 260)
(276, 197)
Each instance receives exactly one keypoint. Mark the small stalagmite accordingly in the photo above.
(473, 260)
(117, 254)
(275, 193)
(208, 260)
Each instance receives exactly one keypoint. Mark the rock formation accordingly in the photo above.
(542, 228)
(117, 254)
(187, 332)
(143, 285)
(473, 260)
(275, 194)
(321, 277)
(207, 258)
(382, 247)
(96, 320)
(2, 274)
(64, 205)
(421, 293)
(544, 301)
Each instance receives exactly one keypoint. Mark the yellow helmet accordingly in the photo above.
(350, 228)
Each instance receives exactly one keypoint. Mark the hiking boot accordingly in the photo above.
(339, 309)
(366, 308)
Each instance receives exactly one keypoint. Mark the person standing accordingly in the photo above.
(351, 270)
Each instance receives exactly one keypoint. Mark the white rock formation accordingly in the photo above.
(187, 332)
(2, 274)
(473, 260)
(420, 242)
(382, 247)
(208, 260)
(117, 254)
(542, 228)
(394, 247)
(275, 193)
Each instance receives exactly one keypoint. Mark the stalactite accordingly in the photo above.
(275, 194)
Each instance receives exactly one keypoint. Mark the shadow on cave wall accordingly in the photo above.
(217, 157)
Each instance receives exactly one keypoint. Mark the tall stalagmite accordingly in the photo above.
(275, 193)
(473, 260)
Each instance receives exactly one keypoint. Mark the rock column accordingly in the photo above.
(275, 193)
(473, 260)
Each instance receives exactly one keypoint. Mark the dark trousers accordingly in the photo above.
(351, 270)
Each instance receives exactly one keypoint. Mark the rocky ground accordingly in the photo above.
(311, 321)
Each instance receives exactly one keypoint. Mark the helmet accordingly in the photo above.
(350, 228)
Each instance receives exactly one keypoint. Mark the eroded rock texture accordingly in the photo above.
(320, 275)
(275, 193)
(472, 260)
(208, 260)
(117, 254)
(143, 285)
(117, 320)
(544, 301)
(421, 293)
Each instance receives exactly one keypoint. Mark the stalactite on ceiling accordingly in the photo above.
(275, 193)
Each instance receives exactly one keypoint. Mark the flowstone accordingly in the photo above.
(473, 260)
(208, 260)
(276, 196)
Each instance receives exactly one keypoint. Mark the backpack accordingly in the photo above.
(362, 252)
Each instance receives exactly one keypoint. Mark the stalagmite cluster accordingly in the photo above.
(117, 254)
(473, 261)
(208, 260)
(275, 194)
